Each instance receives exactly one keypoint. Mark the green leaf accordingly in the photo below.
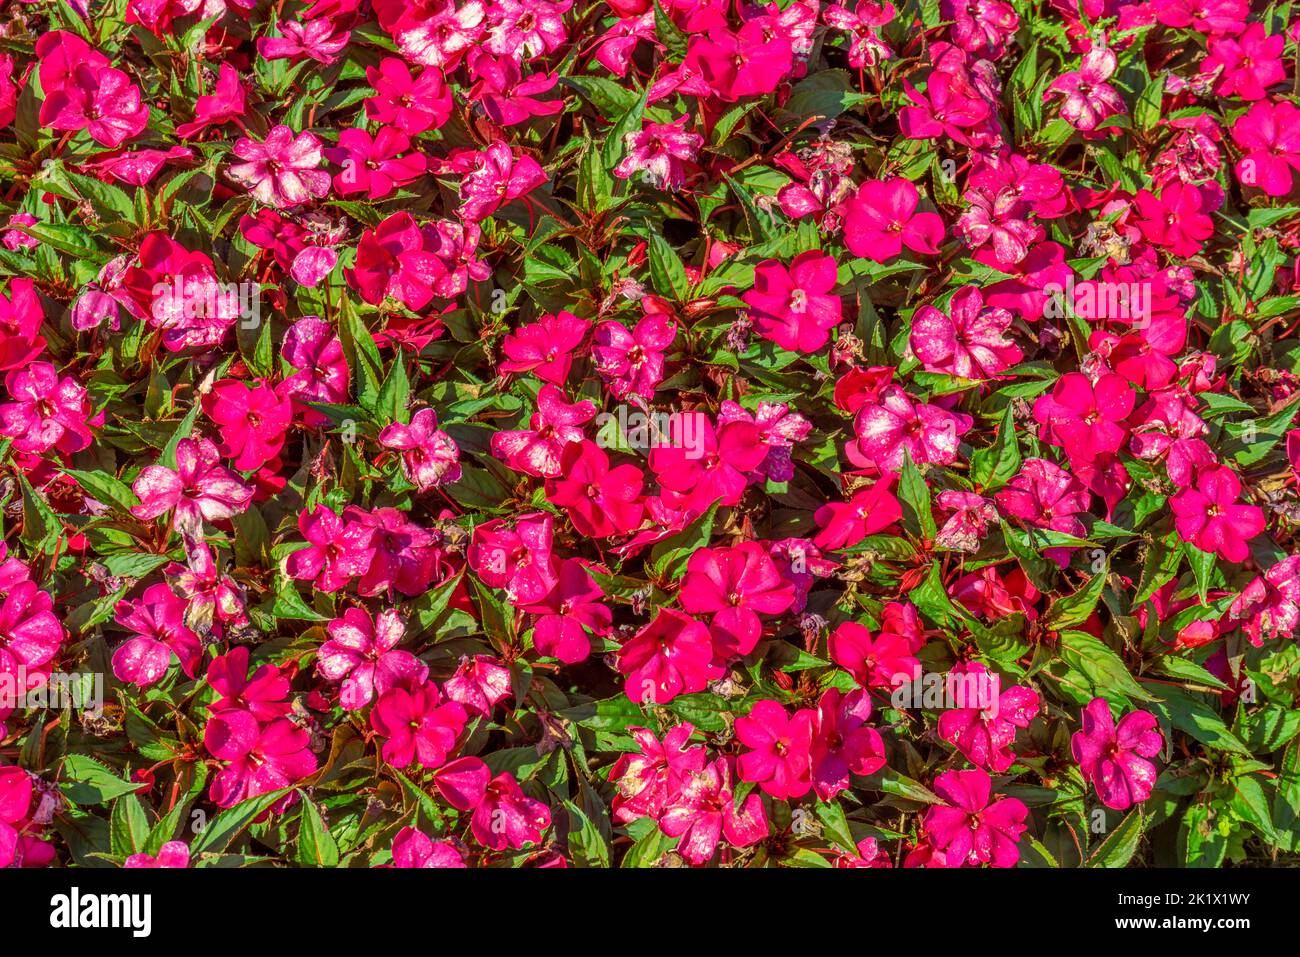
(1120, 844)
(316, 845)
(668, 558)
(914, 496)
(667, 273)
(1076, 608)
(994, 465)
(362, 355)
(587, 846)
(222, 830)
(128, 826)
(85, 781)
(105, 488)
(1189, 713)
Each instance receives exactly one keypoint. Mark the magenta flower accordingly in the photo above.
(897, 424)
(83, 92)
(21, 316)
(1086, 419)
(505, 94)
(1250, 62)
(361, 654)
(315, 39)
(670, 656)
(479, 683)
(632, 363)
(705, 812)
(1211, 516)
(412, 848)
(412, 104)
(417, 725)
(394, 261)
(968, 829)
(281, 171)
(259, 758)
(969, 342)
(704, 464)
(880, 662)
(15, 802)
(1269, 137)
(1178, 219)
(506, 817)
(545, 347)
(735, 585)
(566, 614)
(157, 623)
(780, 746)
(173, 854)
(863, 23)
(649, 781)
(311, 347)
(337, 550)
(374, 167)
(601, 501)
(430, 457)
(793, 306)
(30, 633)
(538, 449)
(493, 178)
(871, 510)
(225, 103)
(263, 693)
(1086, 97)
(967, 525)
(986, 732)
(199, 489)
(842, 743)
(46, 412)
(516, 556)
(882, 218)
(252, 421)
(659, 152)
(1113, 758)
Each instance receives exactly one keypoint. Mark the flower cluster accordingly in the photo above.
(649, 432)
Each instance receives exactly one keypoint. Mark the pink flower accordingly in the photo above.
(1211, 517)
(538, 449)
(493, 178)
(259, 758)
(430, 457)
(46, 412)
(897, 424)
(433, 36)
(871, 510)
(632, 363)
(412, 848)
(882, 218)
(949, 107)
(982, 27)
(30, 633)
(21, 316)
(705, 812)
(970, 830)
(315, 39)
(734, 585)
(880, 662)
(650, 780)
(985, 733)
(374, 167)
(263, 693)
(1270, 605)
(1045, 495)
(337, 550)
(252, 421)
(157, 623)
(970, 342)
(660, 152)
(506, 817)
(1251, 62)
(362, 654)
(545, 347)
(601, 501)
(83, 92)
(281, 171)
(793, 306)
(1113, 757)
(479, 684)
(15, 801)
(505, 94)
(862, 23)
(736, 65)
(173, 854)
(393, 260)
(968, 524)
(670, 656)
(1084, 418)
(311, 347)
(418, 725)
(412, 104)
(566, 614)
(530, 29)
(1269, 136)
(705, 465)
(1178, 219)
(198, 489)
(1087, 98)
(778, 759)
(405, 556)
(842, 743)
(516, 556)
(225, 103)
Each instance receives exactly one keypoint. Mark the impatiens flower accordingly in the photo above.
(985, 732)
(516, 556)
(882, 218)
(198, 489)
(412, 848)
(863, 23)
(879, 662)
(871, 510)
(632, 363)
(704, 464)
(705, 812)
(374, 167)
(898, 425)
(252, 421)
(527, 29)
(1113, 758)
(735, 585)
(566, 614)
(1087, 98)
(970, 341)
(312, 347)
(650, 780)
(1250, 63)
(601, 501)
(506, 95)
(1269, 137)
(736, 65)
(282, 170)
(21, 315)
(492, 178)
(83, 92)
(15, 801)
(410, 103)
(670, 656)
(1211, 516)
(173, 854)
(417, 725)
(157, 623)
(258, 758)
(1085, 418)
(659, 153)
(337, 550)
(778, 759)
(1178, 219)
(479, 684)
(507, 817)
(970, 830)
(842, 743)
(538, 449)
(225, 103)
(966, 527)
(45, 412)
(545, 347)
(948, 107)
(393, 261)
(794, 306)
(361, 654)
(430, 457)
(262, 693)
(30, 633)
(315, 39)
